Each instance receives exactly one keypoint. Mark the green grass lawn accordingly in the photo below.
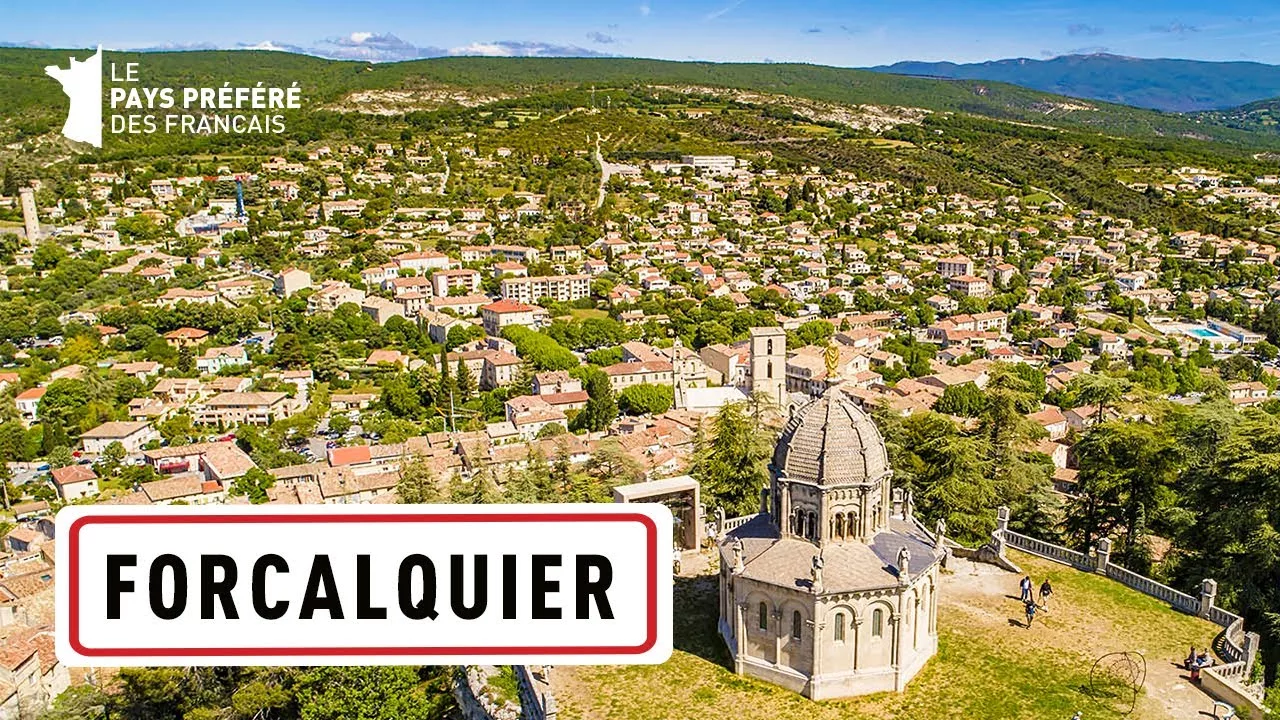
(985, 668)
(1145, 623)
(584, 313)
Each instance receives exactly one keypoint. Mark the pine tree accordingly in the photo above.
(1127, 471)
(53, 436)
(465, 383)
(417, 484)
(539, 474)
(458, 491)
(732, 466)
(519, 487)
(523, 383)
(483, 489)
(562, 471)
(612, 465)
(584, 488)
(444, 397)
(427, 383)
(602, 405)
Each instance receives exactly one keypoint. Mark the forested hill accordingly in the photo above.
(31, 103)
(1256, 117)
(1160, 84)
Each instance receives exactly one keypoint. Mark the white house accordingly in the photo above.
(217, 358)
(132, 435)
(75, 482)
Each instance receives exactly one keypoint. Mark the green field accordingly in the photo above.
(985, 667)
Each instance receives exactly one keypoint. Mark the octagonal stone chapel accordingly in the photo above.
(832, 591)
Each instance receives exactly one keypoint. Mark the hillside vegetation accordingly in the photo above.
(953, 152)
(32, 104)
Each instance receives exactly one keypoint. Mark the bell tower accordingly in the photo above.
(769, 364)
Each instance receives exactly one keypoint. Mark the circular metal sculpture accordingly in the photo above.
(1116, 680)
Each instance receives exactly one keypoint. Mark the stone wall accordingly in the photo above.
(474, 701)
(536, 700)
(1225, 683)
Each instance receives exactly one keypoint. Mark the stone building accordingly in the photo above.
(832, 591)
(768, 364)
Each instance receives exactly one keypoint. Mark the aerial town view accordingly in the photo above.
(949, 334)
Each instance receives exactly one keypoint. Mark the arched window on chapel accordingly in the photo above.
(764, 616)
(797, 623)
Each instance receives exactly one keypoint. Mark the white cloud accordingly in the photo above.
(385, 47)
(645, 9)
(373, 47)
(523, 48)
(265, 45)
(486, 49)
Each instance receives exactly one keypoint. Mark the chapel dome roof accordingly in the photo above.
(831, 441)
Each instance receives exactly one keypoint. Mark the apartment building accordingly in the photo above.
(561, 288)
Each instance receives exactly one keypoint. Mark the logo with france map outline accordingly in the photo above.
(82, 83)
(140, 108)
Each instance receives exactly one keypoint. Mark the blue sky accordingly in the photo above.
(831, 32)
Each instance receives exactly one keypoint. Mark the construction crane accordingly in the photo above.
(240, 213)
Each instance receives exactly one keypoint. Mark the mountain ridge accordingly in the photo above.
(1165, 84)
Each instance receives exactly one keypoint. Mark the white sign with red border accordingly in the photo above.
(363, 584)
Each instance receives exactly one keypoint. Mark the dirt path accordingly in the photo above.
(987, 596)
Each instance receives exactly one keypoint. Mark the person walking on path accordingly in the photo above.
(1031, 612)
(1045, 591)
(1025, 586)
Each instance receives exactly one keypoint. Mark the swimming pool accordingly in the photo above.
(1201, 333)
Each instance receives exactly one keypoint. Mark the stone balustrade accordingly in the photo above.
(1238, 648)
(734, 523)
(1047, 550)
(1147, 586)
